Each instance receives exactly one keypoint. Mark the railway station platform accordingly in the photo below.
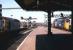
(29, 43)
(39, 40)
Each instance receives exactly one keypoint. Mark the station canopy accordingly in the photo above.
(45, 4)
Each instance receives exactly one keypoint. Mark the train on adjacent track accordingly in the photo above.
(63, 23)
(9, 24)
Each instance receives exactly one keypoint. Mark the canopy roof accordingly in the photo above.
(46, 4)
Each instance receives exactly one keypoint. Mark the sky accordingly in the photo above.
(17, 13)
(64, 12)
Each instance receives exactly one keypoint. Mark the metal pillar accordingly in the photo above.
(0, 11)
(49, 23)
(71, 22)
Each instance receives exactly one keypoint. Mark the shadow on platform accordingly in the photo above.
(54, 42)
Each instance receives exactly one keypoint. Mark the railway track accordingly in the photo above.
(11, 41)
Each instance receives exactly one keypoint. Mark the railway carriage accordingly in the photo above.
(9, 24)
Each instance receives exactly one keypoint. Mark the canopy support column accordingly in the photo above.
(49, 22)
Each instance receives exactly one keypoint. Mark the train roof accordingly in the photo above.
(10, 18)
